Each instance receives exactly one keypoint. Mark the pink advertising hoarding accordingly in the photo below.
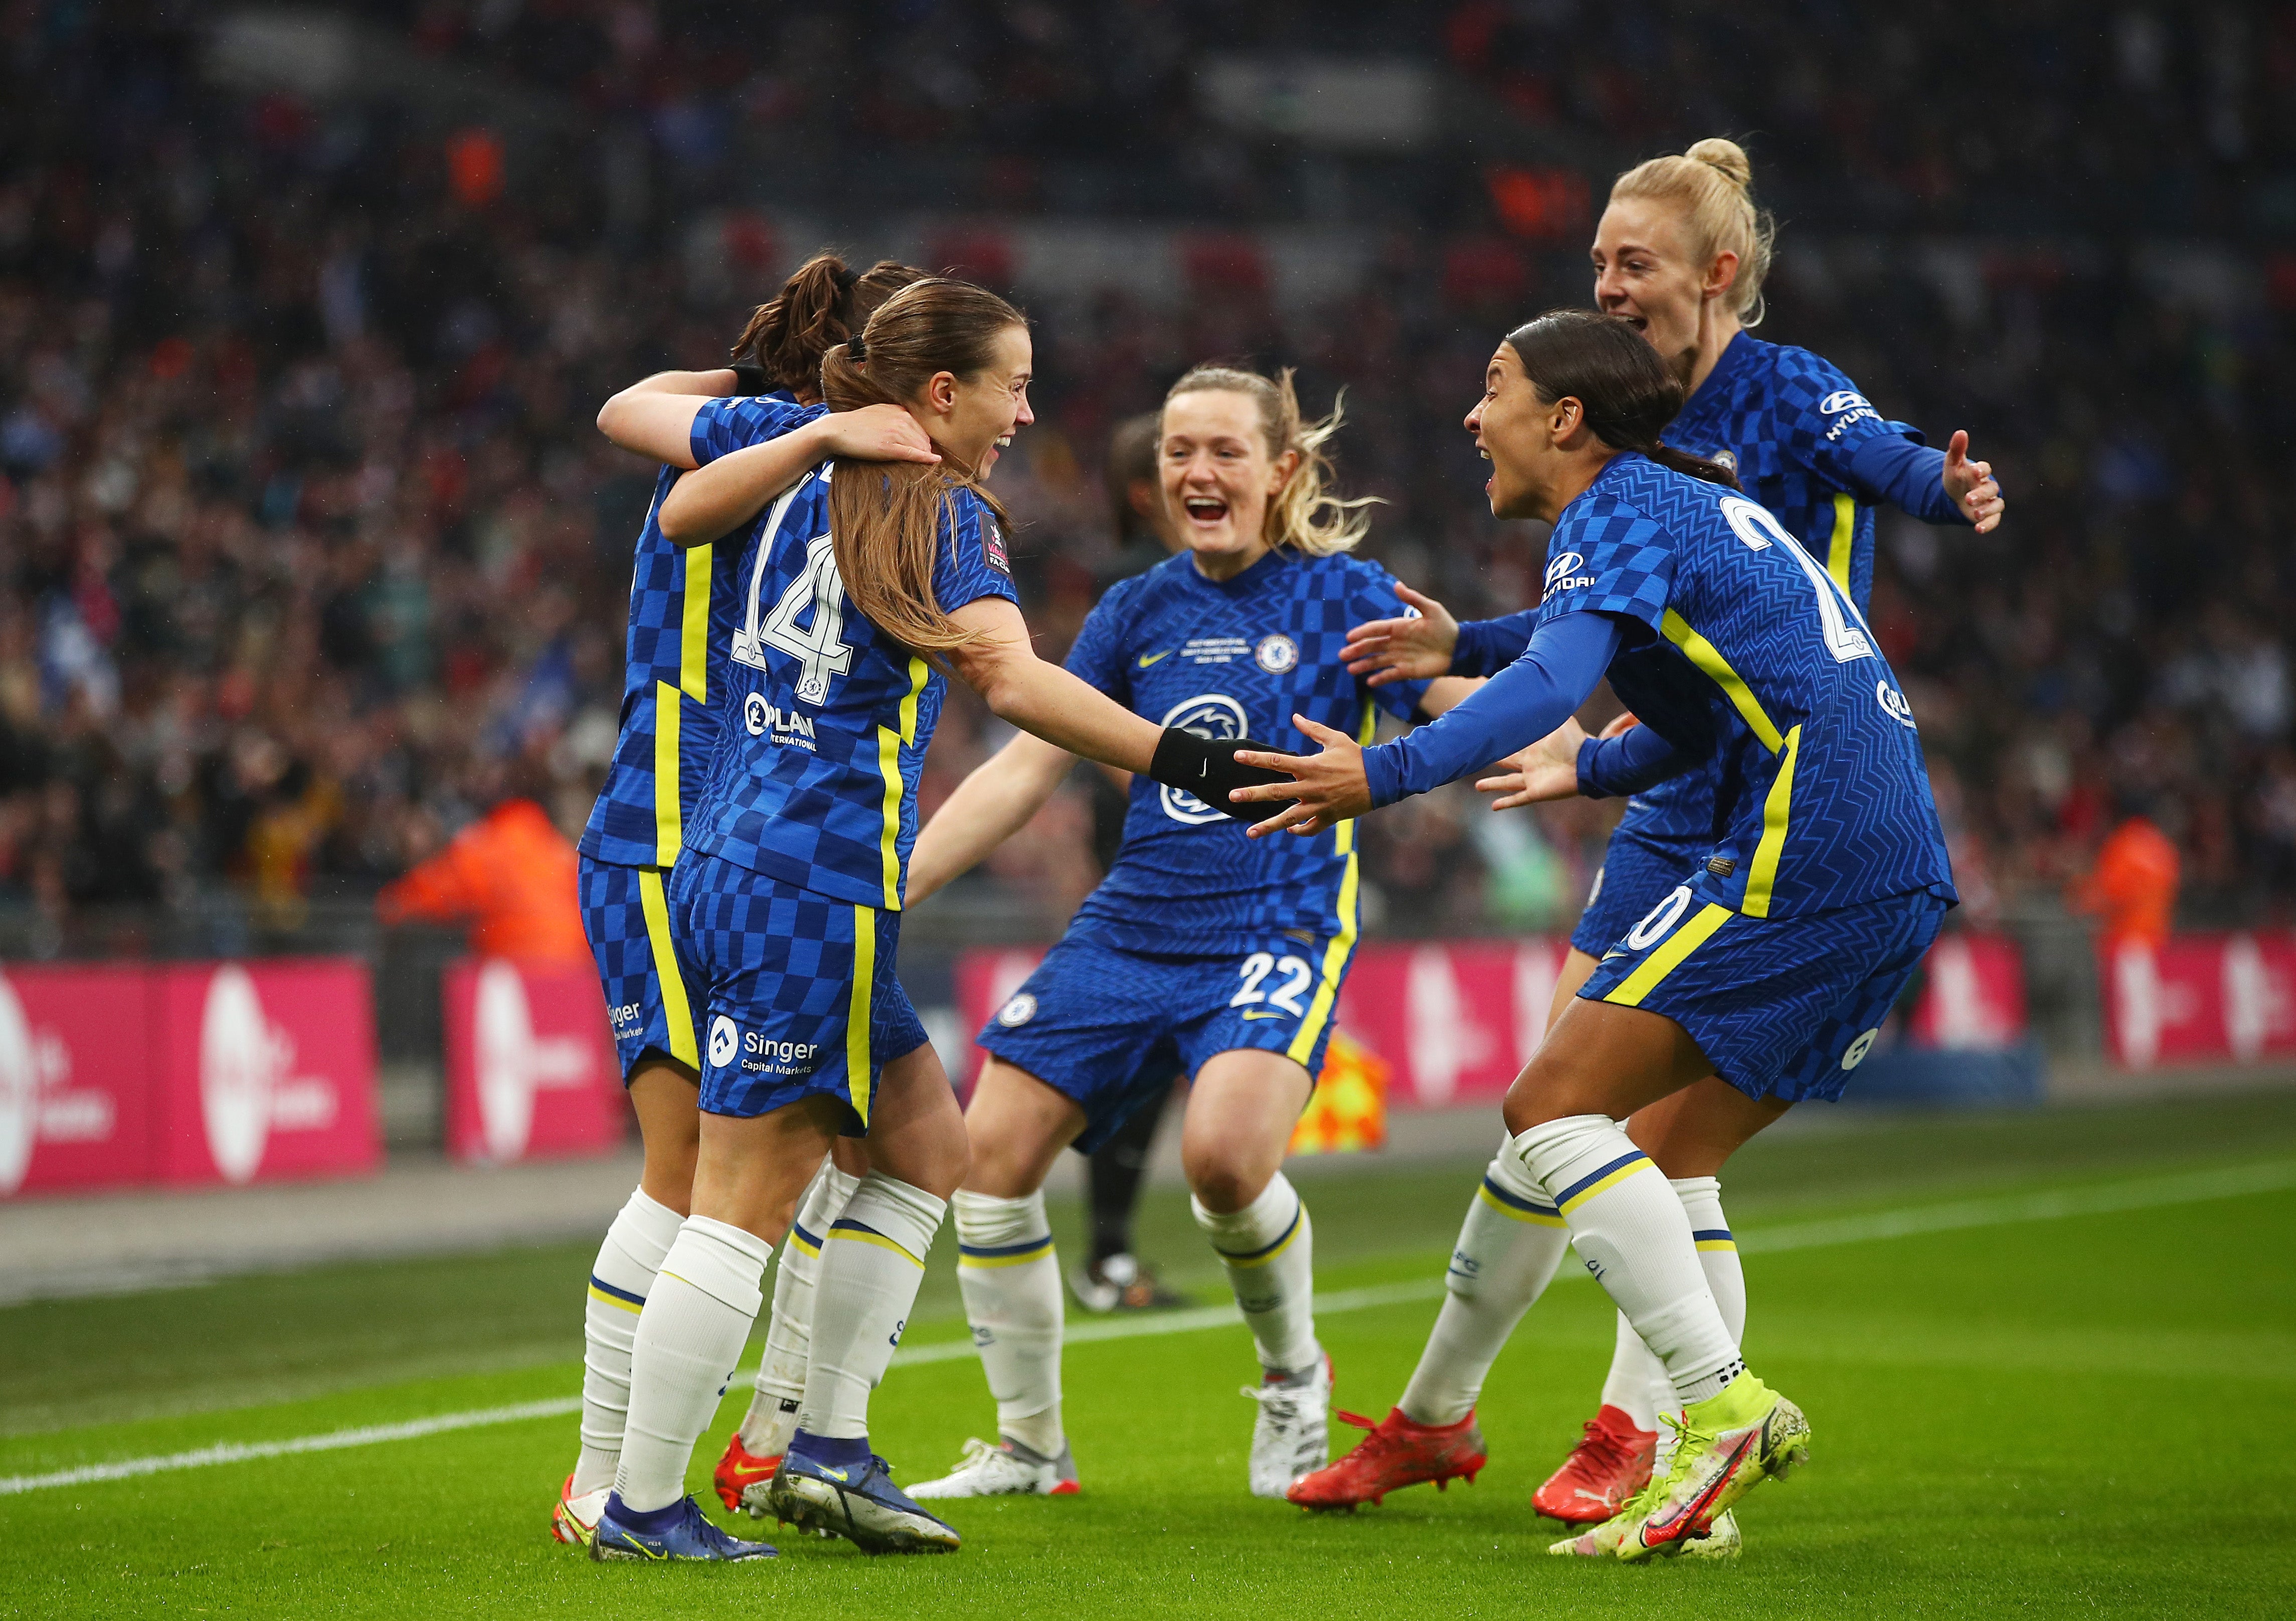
(75, 1091)
(531, 1070)
(264, 1071)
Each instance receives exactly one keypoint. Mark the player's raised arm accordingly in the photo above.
(733, 489)
(654, 416)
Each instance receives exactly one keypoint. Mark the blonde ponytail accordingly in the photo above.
(1305, 514)
(1713, 185)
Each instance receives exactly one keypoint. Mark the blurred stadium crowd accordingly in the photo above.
(310, 551)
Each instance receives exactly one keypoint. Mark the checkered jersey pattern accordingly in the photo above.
(646, 1015)
(681, 616)
(1757, 655)
(1781, 1007)
(1789, 422)
(1231, 659)
(782, 966)
(827, 719)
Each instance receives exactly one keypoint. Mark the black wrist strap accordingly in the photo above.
(1207, 768)
(750, 378)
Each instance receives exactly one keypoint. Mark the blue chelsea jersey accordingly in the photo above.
(1230, 659)
(827, 719)
(1788, 423)
(681, 618)
(1753, 653)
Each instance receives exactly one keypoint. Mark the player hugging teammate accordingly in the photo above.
(1680, 254)
(1202, 953)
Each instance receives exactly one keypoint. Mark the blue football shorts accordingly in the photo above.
(1635, 874)
(1782, 1007)
(649, 1001)
(801, 996)
(1112, 1028)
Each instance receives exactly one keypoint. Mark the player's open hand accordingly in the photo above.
(1546, 770)
(1416, 649)
(877, 433)
(1328, 787)
(1971, 485)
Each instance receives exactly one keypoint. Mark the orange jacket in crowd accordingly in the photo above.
(2133, 887)
(512, 875)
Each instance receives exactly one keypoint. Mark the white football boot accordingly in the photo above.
(1292, 1434)
(1004, 1468)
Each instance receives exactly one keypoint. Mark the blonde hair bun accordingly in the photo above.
(1718, 152)
(1712, 186)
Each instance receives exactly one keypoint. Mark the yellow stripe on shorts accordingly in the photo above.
(675, 1011)
(858, 1011)
(1663, 961)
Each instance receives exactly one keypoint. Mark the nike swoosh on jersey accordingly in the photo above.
(1147, 659)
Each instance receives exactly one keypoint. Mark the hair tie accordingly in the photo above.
(845, 279)
(856, 349)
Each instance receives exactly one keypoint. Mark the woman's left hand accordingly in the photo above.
(1971, 485)
(1328, 787)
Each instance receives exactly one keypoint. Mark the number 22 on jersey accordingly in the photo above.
(808, 622)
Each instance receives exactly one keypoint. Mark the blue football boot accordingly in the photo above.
(678, 1532)
(850, 1494)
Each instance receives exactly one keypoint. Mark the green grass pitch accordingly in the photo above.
(2016, 1413)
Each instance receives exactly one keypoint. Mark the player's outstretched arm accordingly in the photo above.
(990, 806)
(737, 486)
(1971, 485)
(1548, 769)
(654, 416)
(1044, 700)
(1385, 650)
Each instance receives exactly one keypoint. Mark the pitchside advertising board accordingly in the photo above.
(185, 1073)
(531, 1071)
(2200, 998)
(1454, 1021)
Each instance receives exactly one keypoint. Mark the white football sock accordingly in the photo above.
(1509, 1246)
(689, 1339)
(789, 1334)
(1010, 1278)
(872, 1261)
(621, 1279)
(1268, 1248)
(1717, 1257)
(1636, 1384)
(1630, 1227)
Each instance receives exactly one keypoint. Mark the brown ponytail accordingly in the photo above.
(822, 304)
(886, 517)
(1625, 389)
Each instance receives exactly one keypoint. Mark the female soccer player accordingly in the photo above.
(858, 588)
(1200, 953)
(1771, 965)
(1680, 254)
(680, 619)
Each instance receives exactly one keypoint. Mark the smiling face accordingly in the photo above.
(971, 417)
(1516, 432)
(1219, 477)
(1645, 271)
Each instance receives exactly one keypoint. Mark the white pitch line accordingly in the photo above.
(2268, 1176)
(241, 1452)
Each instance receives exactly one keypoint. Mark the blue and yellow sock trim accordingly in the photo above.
(1004, 1255)
(606, 1293)
(1537, 1212)
(1603, 1181)
(1715, 1238)
(861, 1233)
(802, 1241)
(1266, 1253)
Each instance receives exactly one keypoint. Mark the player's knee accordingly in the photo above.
(1225, 1180)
